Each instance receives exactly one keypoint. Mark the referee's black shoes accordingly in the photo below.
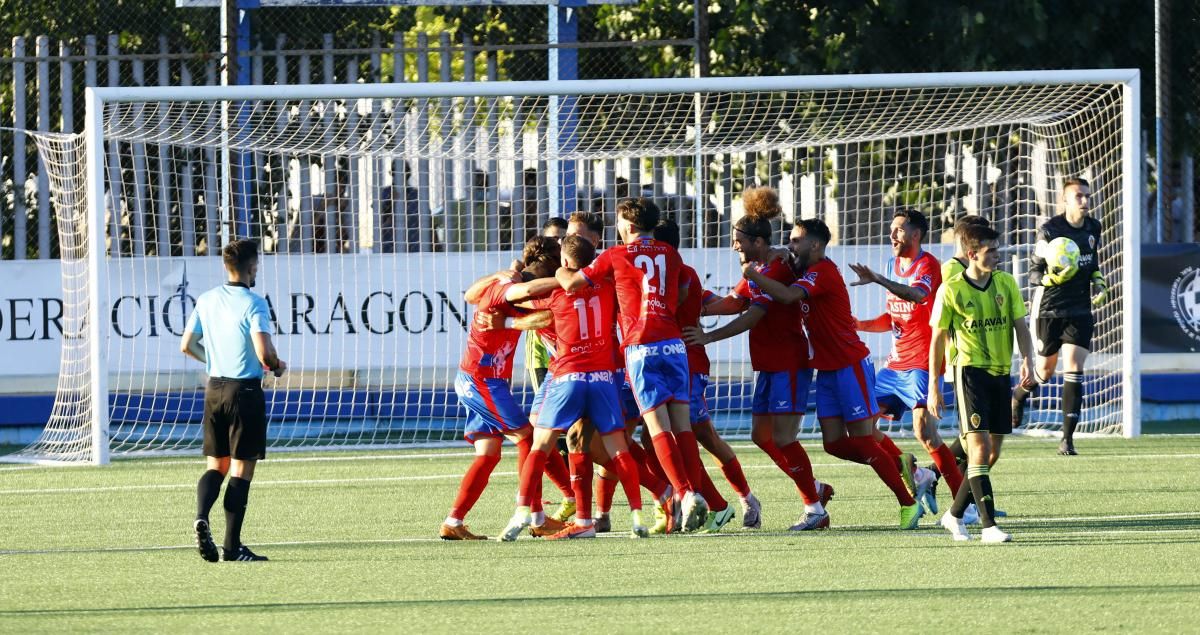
(243, 554)
(204, 541)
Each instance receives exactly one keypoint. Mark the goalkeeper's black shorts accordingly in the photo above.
(1053, 332)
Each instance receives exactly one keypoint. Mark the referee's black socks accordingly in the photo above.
(236, 494)
(207, 491)
(1072, 403)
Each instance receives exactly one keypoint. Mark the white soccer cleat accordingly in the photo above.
(751, 513)
(955, 526)
(695, 510)
(994, 535)
(926, 481)
(516, 525)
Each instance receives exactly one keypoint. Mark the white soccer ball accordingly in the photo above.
(1062, 257)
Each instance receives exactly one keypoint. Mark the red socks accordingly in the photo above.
(627, 471)
(646, 476)
(737, 479)
(845, 450)
(943, 458)
(531, 474)
(581, 481)
(669, 456)
(711, 495)
(556, 469)
(800, 469)
(772, 451)
(605, 487)
(652, 458)
(888, 445)
(884, 465)
(689, 450)
(473, 484)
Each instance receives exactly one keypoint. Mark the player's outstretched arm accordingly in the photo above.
(696, 336)
(475, 291)
(722, 305)
(777, 290)
(881, 324)
(866, 275)
(523, 291)
(570, 279)
(191, 346)
(937, 354)
(265, 349)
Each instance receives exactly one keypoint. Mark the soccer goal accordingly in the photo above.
(377, 205)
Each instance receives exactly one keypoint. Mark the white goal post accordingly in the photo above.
(377, 204)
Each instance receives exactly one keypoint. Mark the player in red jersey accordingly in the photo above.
(904, 382)
(482, 383)
(846, 407)
(646, 275)
(778, 352)
(582, 385)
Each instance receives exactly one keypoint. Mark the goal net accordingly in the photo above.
(377, 205)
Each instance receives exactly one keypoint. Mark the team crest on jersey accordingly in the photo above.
(1092, 241)
(1000, 300)
(810, 277)
(975, 420)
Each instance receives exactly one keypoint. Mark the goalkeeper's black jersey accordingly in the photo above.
(1073, 297)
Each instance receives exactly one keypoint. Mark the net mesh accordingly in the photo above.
(375, 215)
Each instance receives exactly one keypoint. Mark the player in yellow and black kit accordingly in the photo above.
(1062, 308)
(979, 310)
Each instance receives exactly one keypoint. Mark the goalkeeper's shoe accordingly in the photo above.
(459, 532)
(639, 528)
(716, 520)
(572, 531)
(695, 510)
(752, 514)
(602, 523)
(565, 511)
(909, 515)
(1067, 448)
(515, 526)
(994, 534)
(927, 482)
(548, 528)
(204, 541)
(908, 464)
(956, 527)
(824, 492)
(241, 554)
(811, 521)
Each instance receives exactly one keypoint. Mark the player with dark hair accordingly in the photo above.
(779, 352)
(235, 325)
(980, 309)
(1062, 307)
(688, 315)
(582, 385)
(905, 381)
(555, 227)
(483, 383)
(646, 274)
(537, 349)
(846, 408)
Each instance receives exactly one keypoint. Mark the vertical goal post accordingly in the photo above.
(694, 137)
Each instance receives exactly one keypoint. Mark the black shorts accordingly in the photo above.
(1053, 332)
(235, 419)
(984, 401)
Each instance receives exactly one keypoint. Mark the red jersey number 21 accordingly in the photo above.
(654, 268)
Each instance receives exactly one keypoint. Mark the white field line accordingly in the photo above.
(622, 535)
(438, 477)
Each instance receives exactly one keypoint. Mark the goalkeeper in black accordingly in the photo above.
(1062, 307)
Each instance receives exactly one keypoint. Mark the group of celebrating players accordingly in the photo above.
(626, 349)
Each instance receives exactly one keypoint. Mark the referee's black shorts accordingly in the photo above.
(984, 401)
(235, 419)
(1053, 332)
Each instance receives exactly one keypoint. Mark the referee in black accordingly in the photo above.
(234, 324)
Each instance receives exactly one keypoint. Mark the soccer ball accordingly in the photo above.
(1062, 257)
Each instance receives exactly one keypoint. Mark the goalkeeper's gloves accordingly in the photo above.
(1102, 294)
(1053, 279)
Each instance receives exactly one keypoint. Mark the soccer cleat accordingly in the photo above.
(956, 527)
(908, 465)
(811, 522)
(695, 509)
(971, 513)
(243, 554)
(909, 515)
(639, 529)
(572, 531)
(208, 548)
(548, 528)
(752, 513)
(717, 520)
(603, 523)
(927, 482)
(516, 525)
(1067, 448)
(565, 511)
(824, 492)
(459, 532)
(994, 534)
(664, 514)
